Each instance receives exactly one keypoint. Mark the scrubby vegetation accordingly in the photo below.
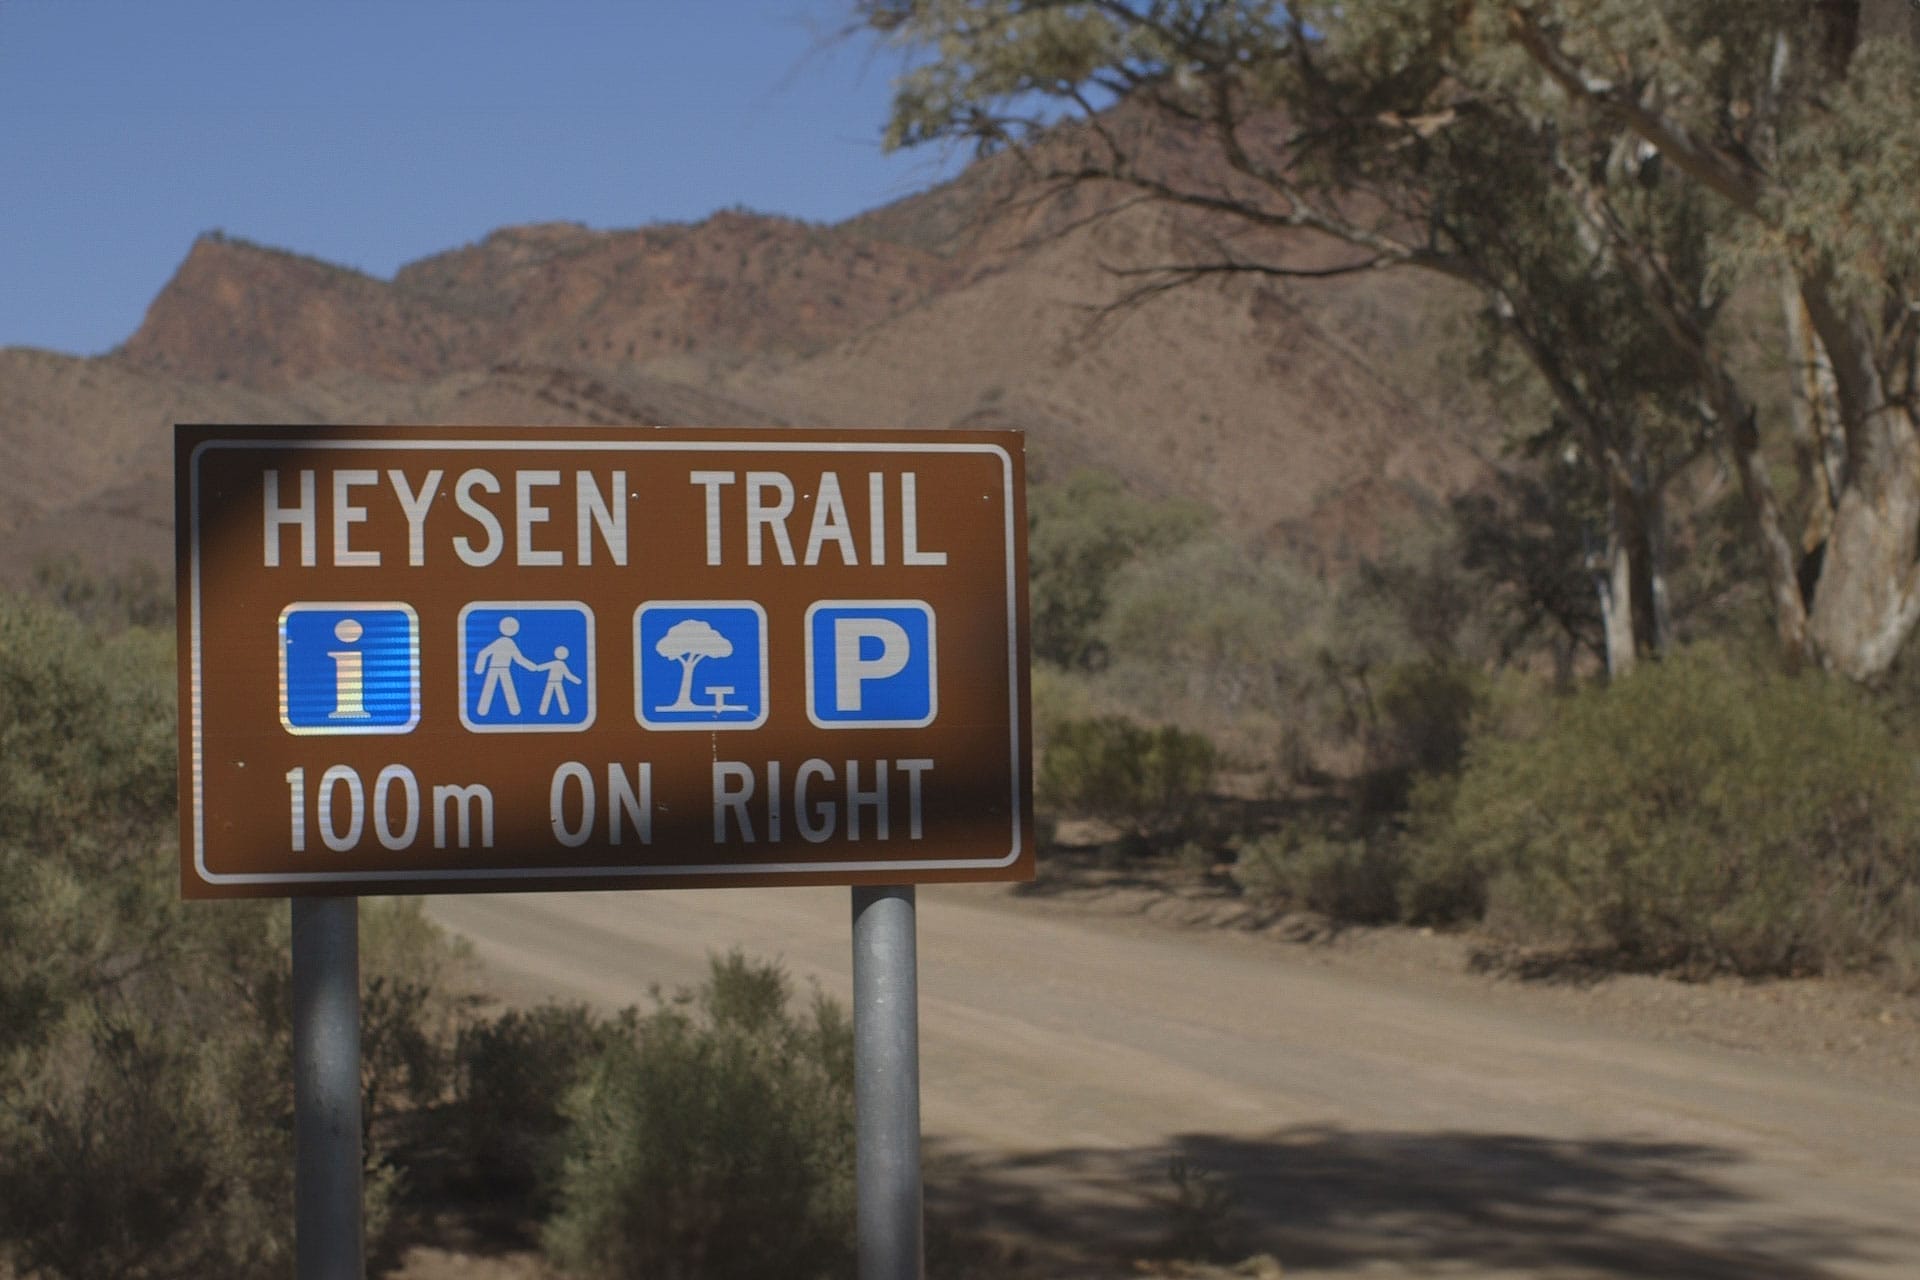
(1421, 742)
(1152, 778)
(717, 1143)
(1703, 816)
(134, 1030)
(512, 1074)
(146, 1123)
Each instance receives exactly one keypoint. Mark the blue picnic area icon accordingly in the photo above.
(700, 664)
(349, 667)
(526, 666)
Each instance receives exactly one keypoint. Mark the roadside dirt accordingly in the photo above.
(1858, 1026)
(1358, 1103)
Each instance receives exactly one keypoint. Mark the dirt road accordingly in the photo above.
(1369, 1124)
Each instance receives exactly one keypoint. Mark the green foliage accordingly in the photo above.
(412, 1006)
(1698, 815)
(134, 1148)
(1082, 532)
(135, 1137)
(511, 1075)
(1440, 883)
(1207, 633)
(1526, 539)
(1422, 715)
(145, 1063)
(1356, 881)
(1111, 767)
(1426, 709)
(137, 596)
(87, 735)
(1608, 228)
(716, 1143)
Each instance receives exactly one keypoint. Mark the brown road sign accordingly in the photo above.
(438, 659)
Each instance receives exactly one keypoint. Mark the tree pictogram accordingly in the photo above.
(686, 643)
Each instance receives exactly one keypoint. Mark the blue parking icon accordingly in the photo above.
(700, 664)
(871, 664)
(349, 667)
(526, 666)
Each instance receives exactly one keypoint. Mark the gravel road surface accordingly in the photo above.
(1368, 1122)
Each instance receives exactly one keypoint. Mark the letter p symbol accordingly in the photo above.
(870, 664)
(853, 641)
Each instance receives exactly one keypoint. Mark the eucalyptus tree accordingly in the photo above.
(1603, 172)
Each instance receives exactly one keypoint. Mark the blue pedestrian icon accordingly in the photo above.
(349, 667)
(871, 664)
(526, 666)
(700, 664)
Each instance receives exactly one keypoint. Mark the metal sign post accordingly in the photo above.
(328, 1239)
(886, 1084)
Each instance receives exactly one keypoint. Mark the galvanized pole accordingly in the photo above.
(886, 1084)
(328, 1243)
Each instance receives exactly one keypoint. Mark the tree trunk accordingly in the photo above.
(1631, 577)
(1868, 598)
(1641, 523)
(1660, 604)
(1819, 445)
(1613, 581)
(1778, 563)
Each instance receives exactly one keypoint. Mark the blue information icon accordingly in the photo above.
(349, 667)
(526, 666)
(871, 664)
(700, 664)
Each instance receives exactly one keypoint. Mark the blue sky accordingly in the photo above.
(374, 132)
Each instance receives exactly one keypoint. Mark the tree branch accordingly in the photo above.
(1190, 271)
(1725, 403)
(1735, 178)
(1849, 342)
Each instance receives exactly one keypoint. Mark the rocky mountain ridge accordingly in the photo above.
(1311, 415)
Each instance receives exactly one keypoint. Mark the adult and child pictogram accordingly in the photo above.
(526, 666)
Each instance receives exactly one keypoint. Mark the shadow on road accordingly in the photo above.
(1335, 1203)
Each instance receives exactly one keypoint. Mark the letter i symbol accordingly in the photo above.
(349, 672)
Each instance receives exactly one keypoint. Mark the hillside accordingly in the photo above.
(1309, 414)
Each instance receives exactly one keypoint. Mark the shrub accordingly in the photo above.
(145, 1063)
(511, 1076)
(1200, 1206)
(1440, 882)
(136, 596)
(1111, 767)
(1426, 712)
(1083, 531)
(1702, 817)
(126, 1156)
(411, 1006)
(1209, 627)
(716, 1143)
(1422, 713)
(1357, 881)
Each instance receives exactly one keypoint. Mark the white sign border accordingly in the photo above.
(744, 872)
